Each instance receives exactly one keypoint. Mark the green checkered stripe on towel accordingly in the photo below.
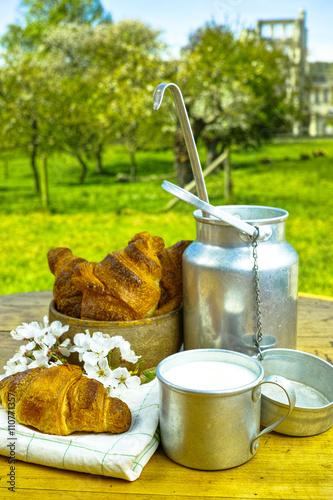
(114, 455)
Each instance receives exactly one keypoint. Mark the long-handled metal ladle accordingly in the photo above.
(187, 131)
(202, 201)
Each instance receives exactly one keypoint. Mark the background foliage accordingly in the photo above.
(103, 214)
(76, 93)
(72, 80)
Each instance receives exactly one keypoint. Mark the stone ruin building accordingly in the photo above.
(311, 84)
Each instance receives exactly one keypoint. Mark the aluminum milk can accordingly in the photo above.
(219, 293)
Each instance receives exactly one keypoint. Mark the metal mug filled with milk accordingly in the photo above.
(210, 401)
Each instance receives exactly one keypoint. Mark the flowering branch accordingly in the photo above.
(44, 349)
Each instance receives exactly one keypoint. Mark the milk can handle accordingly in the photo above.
(290, 392)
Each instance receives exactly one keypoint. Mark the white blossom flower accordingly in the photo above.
(29, 347)
(41, 360)
(23, 350)
(46, 322)
(20, 353)
(100, 371)
(94, 356)
(81, 343)
(19, 334)
(27, 331)
(46, 340)
(125, 380)
(57, 329)
(44, 345)
(127, 353)
(101, 344)
(65, 348)
(91, 358)
(124, 346)
(17, 363)
(115, 341)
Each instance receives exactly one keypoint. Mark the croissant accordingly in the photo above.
(172, 279)
(125, 285)
(67, 296)
(60, 400)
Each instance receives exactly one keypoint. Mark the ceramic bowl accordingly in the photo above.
(152, 338)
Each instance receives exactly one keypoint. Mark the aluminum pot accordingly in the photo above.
(219, 287)
(312, 379)
(213, 429)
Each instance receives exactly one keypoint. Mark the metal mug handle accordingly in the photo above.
(290, 392)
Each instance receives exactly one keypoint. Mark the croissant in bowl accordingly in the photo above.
(66, 294)
(171, 283)
(140, 281)
(61, 400)
(125, 285)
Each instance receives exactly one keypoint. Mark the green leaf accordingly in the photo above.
(148, 375)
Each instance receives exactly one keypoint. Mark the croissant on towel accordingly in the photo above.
(67, 296)
(60, 400)
(125, 285)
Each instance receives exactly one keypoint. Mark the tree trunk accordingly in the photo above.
(33, 154)
(99, 163)
(212, 153)
(228, 184)
(44, 185)
(182, 162)
(84, 167)
(133, 165)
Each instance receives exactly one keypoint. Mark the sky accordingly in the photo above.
(178, 18)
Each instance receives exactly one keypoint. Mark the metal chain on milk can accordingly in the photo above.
(258, 337)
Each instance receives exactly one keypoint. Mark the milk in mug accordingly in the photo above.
(209, 375)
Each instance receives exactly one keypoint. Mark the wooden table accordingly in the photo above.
(283, 468)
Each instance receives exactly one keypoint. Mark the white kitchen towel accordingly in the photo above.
(114, 455)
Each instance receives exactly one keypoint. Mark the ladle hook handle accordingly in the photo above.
(187, 131)
(190, 198)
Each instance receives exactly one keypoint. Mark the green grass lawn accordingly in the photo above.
(101, 215)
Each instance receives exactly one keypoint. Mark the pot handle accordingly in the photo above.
(290, 392)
